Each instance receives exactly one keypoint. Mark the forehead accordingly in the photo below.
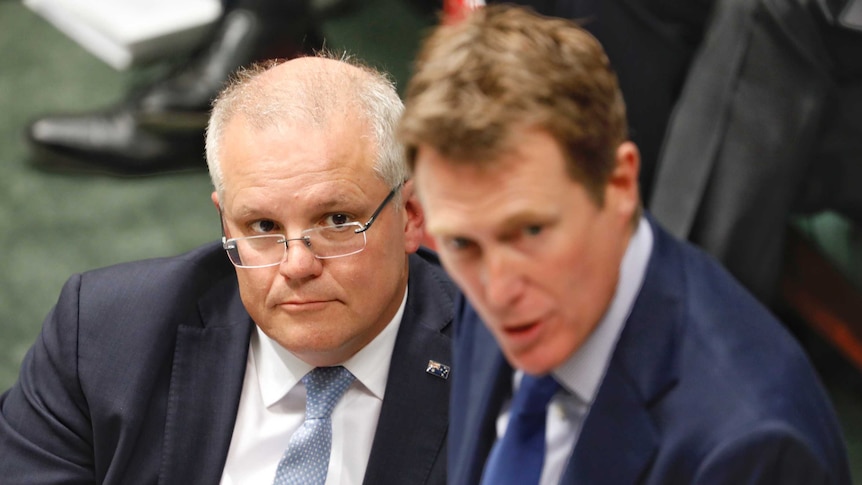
(274, 164)
(522, 185)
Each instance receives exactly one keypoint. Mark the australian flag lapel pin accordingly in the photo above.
(437, 369)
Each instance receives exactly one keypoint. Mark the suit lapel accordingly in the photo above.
(206, 383)
(482, 380)
(411, 432)
(618, 439)
(491, 384)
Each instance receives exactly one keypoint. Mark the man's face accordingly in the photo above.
(283, 180)
(533, 252)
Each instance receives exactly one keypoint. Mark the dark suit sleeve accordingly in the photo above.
(45, 432)
(741, 147)
(768, 455)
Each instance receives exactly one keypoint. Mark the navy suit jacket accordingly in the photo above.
(137, 373)
(703, 387)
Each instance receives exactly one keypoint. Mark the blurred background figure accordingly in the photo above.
(159, 126)
(768, 125)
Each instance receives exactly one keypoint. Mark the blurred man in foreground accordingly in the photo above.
(610, 352)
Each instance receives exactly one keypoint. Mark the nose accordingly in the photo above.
(502, 282)
(299, 262)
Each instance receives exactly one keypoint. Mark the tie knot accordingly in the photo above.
(324, 387)
(534, 394)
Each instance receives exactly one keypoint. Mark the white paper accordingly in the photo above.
(126, 32)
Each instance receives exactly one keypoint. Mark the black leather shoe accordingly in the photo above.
(114, 143)
(160, 129)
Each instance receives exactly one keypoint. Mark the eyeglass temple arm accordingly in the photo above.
(223, 233)
(389, 197)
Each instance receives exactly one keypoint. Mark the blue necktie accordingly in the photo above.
(307, 457)
(517, 457)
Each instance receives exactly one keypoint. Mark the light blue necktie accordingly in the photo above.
(306, 459)
(517, 458)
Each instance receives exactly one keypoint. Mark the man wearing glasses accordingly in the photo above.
(320, 355)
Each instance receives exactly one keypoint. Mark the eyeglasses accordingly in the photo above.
(335, 241)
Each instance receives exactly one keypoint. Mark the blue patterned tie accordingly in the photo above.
(517, 457)
(307, 457)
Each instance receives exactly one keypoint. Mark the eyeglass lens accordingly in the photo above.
(324, 242)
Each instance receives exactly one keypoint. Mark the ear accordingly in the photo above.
(414, 218)
(214, 198)
(622, 190)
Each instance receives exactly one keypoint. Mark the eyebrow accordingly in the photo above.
(520, 219)
(331, 203)
(322, 205)
(511, 223)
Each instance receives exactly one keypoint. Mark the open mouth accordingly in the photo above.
(523, 333)
(521, 328)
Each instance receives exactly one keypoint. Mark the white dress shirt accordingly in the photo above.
(581, 375)
(272, 408)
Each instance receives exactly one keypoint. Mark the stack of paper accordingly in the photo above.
(127, 32)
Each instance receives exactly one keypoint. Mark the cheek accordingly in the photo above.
(353, 279)
(465, 276)
(254, 286)
(583, 294)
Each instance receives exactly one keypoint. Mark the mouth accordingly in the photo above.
(522, 335)
(295, 306)
(520, 328)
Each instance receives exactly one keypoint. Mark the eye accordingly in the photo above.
(460, 249)
(533, 230)
(337, 219)
(263, 226)
(459, 244)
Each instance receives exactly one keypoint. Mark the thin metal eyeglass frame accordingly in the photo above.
(307, 239)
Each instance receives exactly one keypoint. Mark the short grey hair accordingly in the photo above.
(315, 97)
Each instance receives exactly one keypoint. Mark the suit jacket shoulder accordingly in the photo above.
(701, 377)
(131, 357)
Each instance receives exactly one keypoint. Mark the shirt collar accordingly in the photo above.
(278, 370)
(582, 373)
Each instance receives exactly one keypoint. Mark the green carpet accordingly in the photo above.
(56, 225)
(53, 225)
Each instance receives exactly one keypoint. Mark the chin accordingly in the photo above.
(534, 362)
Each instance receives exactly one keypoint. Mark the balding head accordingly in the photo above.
(310, 92)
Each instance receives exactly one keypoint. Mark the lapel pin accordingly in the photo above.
(437, 369)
